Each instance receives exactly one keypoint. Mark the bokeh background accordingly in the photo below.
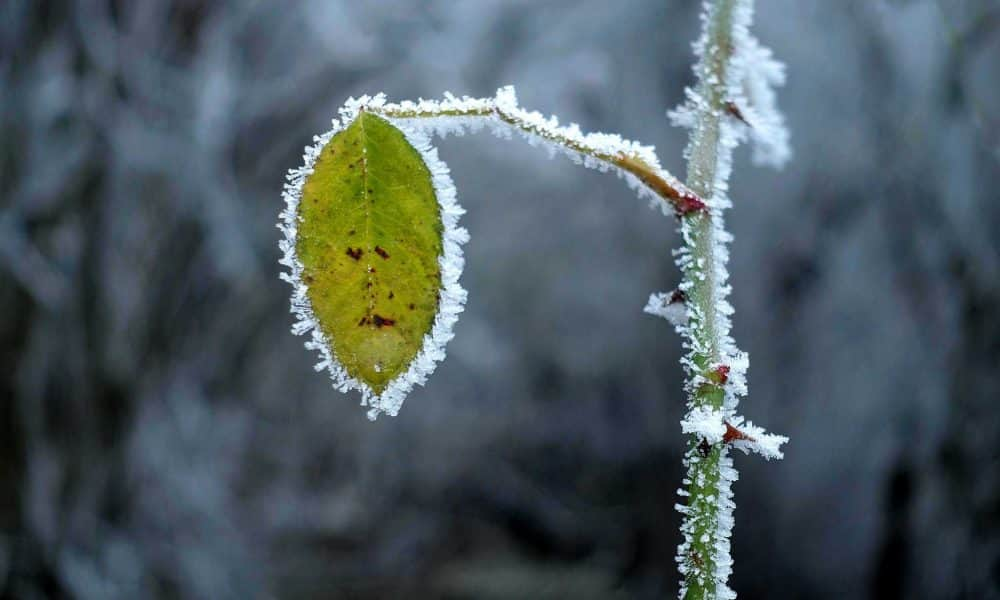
(163, 435)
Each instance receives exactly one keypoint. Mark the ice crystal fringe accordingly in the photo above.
(452, 296)
(743, 105)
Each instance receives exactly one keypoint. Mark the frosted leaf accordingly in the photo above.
(390, 371)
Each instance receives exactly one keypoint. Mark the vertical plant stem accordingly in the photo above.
(704, 557)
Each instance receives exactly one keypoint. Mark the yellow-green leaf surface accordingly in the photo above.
(369, 238)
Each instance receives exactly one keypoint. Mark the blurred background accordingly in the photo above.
(163, 435)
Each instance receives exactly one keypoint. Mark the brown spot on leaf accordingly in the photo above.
(363, 321)
(412, 306)
(391, 295)
(381, 321)
(381, 252)
(355, 253)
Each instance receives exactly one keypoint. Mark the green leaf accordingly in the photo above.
(369, 239)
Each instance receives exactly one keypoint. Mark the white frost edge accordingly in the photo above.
(452, 296)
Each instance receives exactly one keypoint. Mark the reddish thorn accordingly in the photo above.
(688, 203)
(732, 434)
(722, 373)
(735, 111)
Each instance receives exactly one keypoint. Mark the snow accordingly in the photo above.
(452, 296)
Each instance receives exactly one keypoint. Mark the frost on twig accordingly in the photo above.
(502, 116)
(734, 101)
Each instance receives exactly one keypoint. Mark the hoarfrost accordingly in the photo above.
(669, 306)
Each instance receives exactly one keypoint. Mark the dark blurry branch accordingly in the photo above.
(21, 258)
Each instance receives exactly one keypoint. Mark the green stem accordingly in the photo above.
(705, 483)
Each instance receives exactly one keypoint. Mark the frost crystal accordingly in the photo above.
(669, 306)
(452, 296)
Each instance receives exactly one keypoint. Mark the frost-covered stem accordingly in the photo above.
(595, 147)
(708, 466)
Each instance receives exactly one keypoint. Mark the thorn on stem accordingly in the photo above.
(688, 203)
(732, 434)
(735, 111)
